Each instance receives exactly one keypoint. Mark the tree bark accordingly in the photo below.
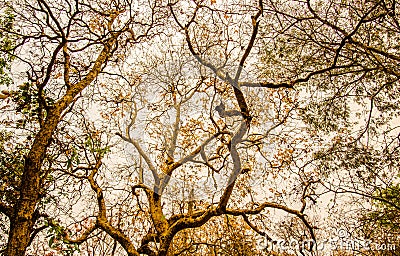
(23, 218)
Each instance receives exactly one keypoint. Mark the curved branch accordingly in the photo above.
(299, 214)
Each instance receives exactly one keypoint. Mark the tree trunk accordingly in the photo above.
(23, 219)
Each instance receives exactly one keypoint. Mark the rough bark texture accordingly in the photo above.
(23, 218)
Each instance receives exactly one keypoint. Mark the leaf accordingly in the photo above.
(51, 241)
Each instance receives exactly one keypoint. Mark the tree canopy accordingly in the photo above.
(222, 127)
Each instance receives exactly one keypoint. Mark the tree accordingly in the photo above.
(251, 116)
(173, 145)
(65, 46)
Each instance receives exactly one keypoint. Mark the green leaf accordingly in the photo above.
(51, 241)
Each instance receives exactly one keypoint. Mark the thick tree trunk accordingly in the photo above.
(23, 219)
